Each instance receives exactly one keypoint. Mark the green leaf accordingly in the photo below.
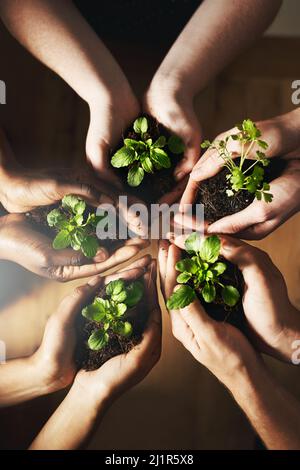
(176, 144)
(208, 293)
(119, 298)
(193, 243)
(184, 277)
(264, 145)
(140, 125)
(134, 144)
(268, 197)
(115, 287)
(98, 340)
(96, 311)
(123, 157)
(181, 298)
(160, 157)
(89, 246)
(160, 142)
(56, 218)
(146, 163)
(206, 144)
(123, 328)
(219, 268)
(230, 295)
(135, 292)
(73, 203)
(62, 240)
(210, 248)
(249, 127)
(135, 176)
(121, 309)
(79, 209)
(187, 265)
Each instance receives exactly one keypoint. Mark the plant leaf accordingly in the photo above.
(121, 309)
(160, 157)
(135, 176)
(89, 246)
(186, 265)
(123, 328)
(230, 295)
(98, 340)
(134, 144)
(119, 298)
(160, 142)
(184, 277)
(176, 145)
(123, 157)
(181, 298)
(193, 243)
(70, 202)
(208, 293)
(135, 292)
(56, 218)
(115, 287)
(140, 125)
(96, 311)
(210, 248)
(146, 163)
(62, 240)
(219, 268)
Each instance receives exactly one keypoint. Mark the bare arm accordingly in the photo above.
(216, 33)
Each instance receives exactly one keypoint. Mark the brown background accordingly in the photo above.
(180, 405)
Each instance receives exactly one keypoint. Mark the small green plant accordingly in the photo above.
(239, 177)
(75, 228)
(110, 312)
(142, 155)
(201, 274)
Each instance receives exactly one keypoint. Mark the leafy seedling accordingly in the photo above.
(110, 312)
(201, 274)
(142, 155)
(76, 228)
(239, 177)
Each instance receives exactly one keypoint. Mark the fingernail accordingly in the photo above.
(101, 255)
(214, 228)
(179, 175)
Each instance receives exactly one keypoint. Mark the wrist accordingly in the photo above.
(169, 84)
(97, 398)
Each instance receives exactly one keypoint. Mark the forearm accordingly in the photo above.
(273, 412)
(216, 33)
(21, 380)
(72, 424)
(55, 32)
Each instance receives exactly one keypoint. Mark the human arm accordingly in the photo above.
(215, 34)
(73, 423)
(272, 411)
(55, 32)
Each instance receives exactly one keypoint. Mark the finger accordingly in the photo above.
(191, 222)
(189, 195)
(261, 230)
(197, 319)
(88, 192)
(163, 249)
(174, 255)
(150, 285)
(131, 272)
(240, 221)
(191, 156)
(175, 193)
(70, 257)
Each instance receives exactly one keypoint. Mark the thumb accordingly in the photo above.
(196, 318)
(238, 222)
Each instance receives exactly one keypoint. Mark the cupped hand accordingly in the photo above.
(220, 347)
(126, 370)
(108, 123)
(172, 106)
(23, 244)
(274, 323)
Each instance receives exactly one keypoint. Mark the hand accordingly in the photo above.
(108, 122)
(124, 371)
(218, 346)
(274, 323)
(173, 107)
(260, 218)
(22, 243)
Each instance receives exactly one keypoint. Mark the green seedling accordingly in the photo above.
(142, 155)
(249, 179)
(75, 225)
(201, 274)
(110, 312)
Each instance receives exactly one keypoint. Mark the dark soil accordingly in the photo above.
(38, 218)
(90, 360)
(221, 312)
(155, 185)
(212, 192)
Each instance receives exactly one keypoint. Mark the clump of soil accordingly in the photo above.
(221, 312)
(212, 192)
(155, 185)
(87, 359)
(38, 218)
